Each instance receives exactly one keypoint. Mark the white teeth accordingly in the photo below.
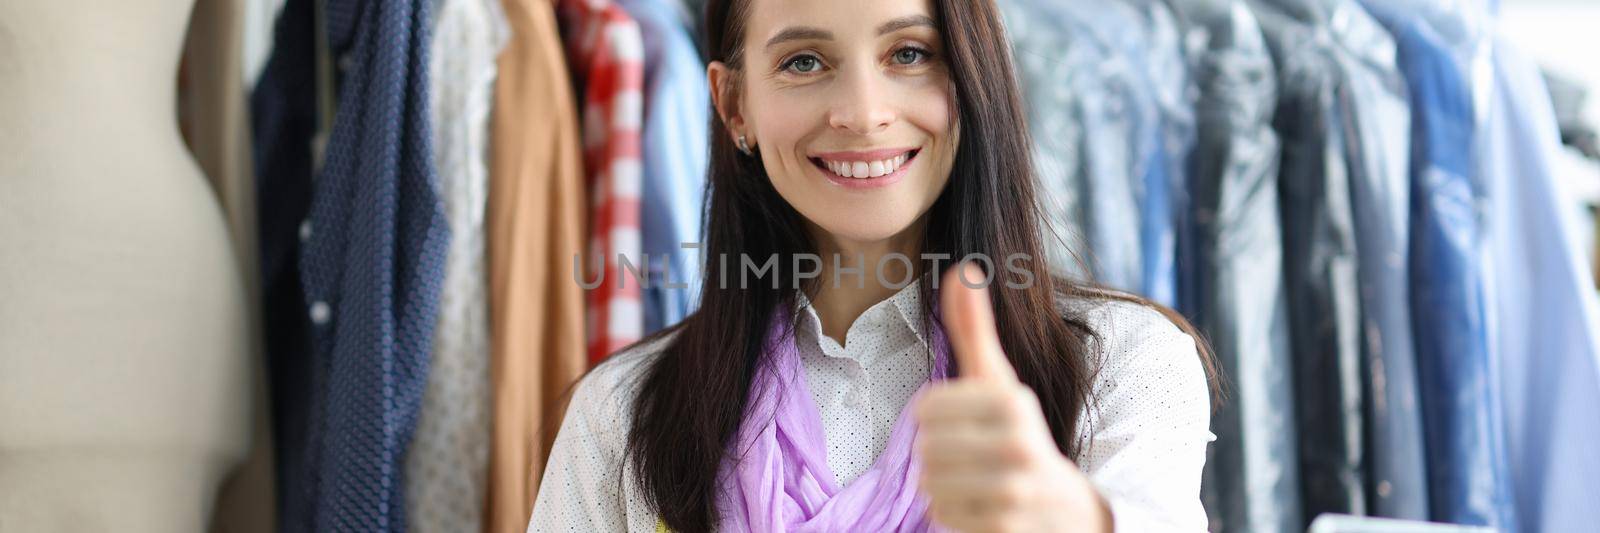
(867, 169)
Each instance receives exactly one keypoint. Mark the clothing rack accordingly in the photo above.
(1358, 202)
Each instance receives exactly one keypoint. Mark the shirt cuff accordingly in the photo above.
(1129, 516)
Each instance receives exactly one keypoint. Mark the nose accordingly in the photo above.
(863, 105)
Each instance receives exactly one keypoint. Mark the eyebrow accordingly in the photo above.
(912, 21)
(803, 33)
(799, 33)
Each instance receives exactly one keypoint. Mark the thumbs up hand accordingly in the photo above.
(988, 461)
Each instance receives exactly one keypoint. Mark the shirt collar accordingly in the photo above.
(905, 305)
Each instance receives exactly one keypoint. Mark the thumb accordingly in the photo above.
(969, 322)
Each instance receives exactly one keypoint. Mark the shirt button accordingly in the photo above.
(320, 313)
(305, 231)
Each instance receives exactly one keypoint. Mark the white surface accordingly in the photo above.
(1562, 35)
(1333, 523)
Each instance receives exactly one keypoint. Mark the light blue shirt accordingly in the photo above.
(677, 114)
(1543, 309)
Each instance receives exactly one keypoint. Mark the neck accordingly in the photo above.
(855, 284)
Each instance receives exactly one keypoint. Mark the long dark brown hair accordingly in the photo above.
(692, 397)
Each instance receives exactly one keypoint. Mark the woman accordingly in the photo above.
(820, 392)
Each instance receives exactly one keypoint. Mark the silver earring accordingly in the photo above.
(744, 146)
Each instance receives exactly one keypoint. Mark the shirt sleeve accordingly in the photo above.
(583, 487)
(1147, 422)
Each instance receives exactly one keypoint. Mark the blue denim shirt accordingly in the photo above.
(1387, 476)
(1107, 195)
(1466, 467)
(1232, 276)
(1321, 262)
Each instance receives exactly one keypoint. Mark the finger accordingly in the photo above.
(980, 494)
(982, 403)
(969, 321)
(954, 516)
(951, 505)
(976, 503)
(957, 450)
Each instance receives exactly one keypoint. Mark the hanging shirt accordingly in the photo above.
(677, 118)
(1447, 284)
(1146, 455)
(1108, 195)
(1373, 117)
(283, 118)
(1544, 310)
(1416, 45)
(1121, 122)
(1392, 482)
(1233, 282)
(1090, 121)
(1131, 152)
(446, 467)
(1320, 258)
(1053, 72)
(371, 258)
(1165, 74)
(605, 50)
(536, 215)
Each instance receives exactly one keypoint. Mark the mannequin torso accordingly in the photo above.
(124, 383)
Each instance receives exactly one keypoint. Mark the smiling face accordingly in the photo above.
(848, 105)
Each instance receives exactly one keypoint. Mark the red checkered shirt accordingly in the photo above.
(606, 54)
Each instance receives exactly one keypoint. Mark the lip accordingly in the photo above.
(864, 156)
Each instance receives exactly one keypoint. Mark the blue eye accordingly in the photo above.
(804, 64)
(910, 56)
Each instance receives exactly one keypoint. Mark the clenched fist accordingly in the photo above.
(988, 462)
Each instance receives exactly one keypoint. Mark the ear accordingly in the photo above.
(725, 97)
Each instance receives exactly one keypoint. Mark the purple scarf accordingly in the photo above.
(776, 478)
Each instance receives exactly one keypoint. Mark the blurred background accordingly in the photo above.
(307, 265)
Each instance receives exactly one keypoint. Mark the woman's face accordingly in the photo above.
(848, 103)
